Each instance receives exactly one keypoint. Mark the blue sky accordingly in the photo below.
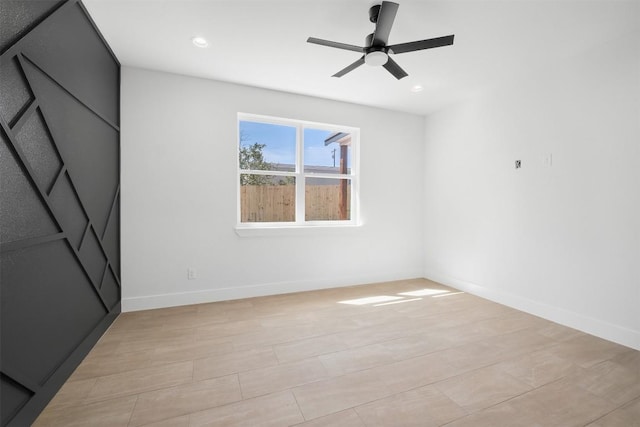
(281, 143)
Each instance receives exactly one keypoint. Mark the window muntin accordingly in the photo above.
(296, 173)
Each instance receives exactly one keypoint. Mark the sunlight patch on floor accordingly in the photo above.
(447, 294)
(425, 292)
(370, 300)
(380, 300)
(397, 302)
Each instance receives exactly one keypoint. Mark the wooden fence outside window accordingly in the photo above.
(276, 203)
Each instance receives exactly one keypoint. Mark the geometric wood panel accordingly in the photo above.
(39, 320)
(65, 202)
(15, 91)
(24, 16)
(13, 396)
(92, 256)
(23, 215)
(110, 290)
(37, 146)
(111, 237)
(88, 144)
(60, 206)
(78, 60)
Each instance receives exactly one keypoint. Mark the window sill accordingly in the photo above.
(295, 230)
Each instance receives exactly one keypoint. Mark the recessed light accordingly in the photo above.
(200, 42)
(416, 88)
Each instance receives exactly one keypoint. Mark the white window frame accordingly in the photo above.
(246, 228)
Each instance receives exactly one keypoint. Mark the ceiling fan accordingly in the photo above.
(375, 51)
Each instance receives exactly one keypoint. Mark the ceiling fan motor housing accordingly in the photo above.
(373, 13)
(368, 41)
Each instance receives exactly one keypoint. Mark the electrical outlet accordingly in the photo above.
(192, 274)
(518, 164)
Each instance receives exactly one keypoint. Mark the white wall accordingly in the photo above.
(560, 241)
(179, 196)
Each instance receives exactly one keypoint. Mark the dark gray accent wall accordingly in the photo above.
(59, 198)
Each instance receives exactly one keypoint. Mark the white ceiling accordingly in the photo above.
(263, 43)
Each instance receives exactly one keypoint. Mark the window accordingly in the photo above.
(294, 173)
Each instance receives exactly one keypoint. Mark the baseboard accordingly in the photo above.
(257, 290)
(589, 325)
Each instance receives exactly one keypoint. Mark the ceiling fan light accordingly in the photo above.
(376, 58)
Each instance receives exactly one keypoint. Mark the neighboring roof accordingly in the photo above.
(340, 137)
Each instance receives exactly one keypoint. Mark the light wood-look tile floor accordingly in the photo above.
(406, 353)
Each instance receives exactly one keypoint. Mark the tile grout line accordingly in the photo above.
(133, 410)
(237, 374)
(298, 404)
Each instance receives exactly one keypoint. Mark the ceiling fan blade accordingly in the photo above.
(349, 68)
(393, 67)
(335, 44)
(386, 16)
(422, 44)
